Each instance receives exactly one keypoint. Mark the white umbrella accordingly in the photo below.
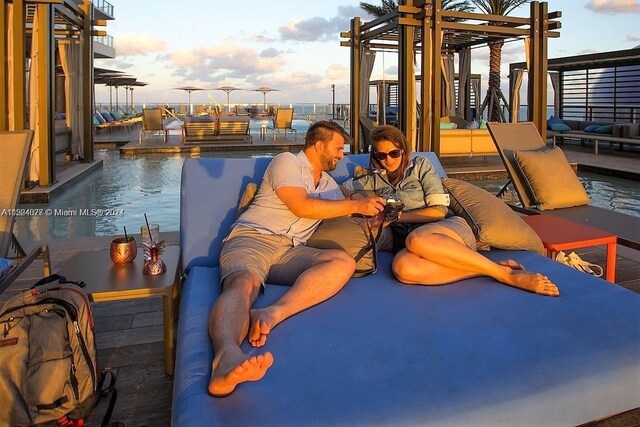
(189, 89)
(228, 89)
(265, 90)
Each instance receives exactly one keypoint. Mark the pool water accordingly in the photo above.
(124, 189)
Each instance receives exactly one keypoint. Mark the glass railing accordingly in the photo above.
(103, 6)
(105, 40)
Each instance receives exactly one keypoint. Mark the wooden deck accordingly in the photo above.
(129, 333)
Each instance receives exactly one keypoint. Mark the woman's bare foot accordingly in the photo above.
(262, 320)
(514, 265)
(238, 368)
(532, 282)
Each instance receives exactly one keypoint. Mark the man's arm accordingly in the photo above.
(302, 205)
(428, 214)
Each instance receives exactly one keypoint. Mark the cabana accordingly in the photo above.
(420, 29)
(31, 29)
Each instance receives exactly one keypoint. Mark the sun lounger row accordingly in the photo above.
(114, 119)
(211, 128)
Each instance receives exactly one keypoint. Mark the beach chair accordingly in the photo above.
(512, 137)
(13, 165)
(182, 110)
(283, 121)
(152, 122)
(200, 110)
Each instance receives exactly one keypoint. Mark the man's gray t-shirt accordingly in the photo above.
(268, 213)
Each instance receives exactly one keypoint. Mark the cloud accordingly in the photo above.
(336, 72)
(260, 38)
(614, 6)
(319, 28)
(587, 51)
(631, 38)
(130, 44)
(225, 60)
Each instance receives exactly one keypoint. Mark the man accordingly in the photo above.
(266, 243)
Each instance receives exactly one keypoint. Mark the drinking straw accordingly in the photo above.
(126, 238)
(148, 228)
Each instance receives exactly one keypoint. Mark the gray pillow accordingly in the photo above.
(493, 222)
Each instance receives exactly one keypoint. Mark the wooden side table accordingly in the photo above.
(107, 281)
(559, 234)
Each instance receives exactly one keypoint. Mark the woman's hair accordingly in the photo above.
(395, 136)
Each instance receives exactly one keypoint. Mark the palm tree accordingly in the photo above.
(389, 6)
(496, 7)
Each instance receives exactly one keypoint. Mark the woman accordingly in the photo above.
(439, 248)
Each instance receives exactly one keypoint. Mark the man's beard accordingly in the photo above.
(328, 162)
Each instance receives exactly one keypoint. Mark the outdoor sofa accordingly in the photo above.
(216, 129)
(620, 133)
(474, 352)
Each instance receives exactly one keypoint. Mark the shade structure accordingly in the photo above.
(228, 89)
(189, 89)
(112, 79)
(265, 90)
(132, 86)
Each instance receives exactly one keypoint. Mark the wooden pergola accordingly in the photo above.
(54, 19)
(422, 27)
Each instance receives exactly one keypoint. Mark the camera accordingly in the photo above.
(391, 209)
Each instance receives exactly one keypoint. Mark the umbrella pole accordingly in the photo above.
(189, 92)
(264, 96)
(228, 106)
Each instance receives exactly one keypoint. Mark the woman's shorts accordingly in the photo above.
(460, 227)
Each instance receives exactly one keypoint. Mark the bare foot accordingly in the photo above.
(514, 265)
(532, 282)
(262, 321)
(243, 368)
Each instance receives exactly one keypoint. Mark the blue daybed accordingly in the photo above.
(381, 353)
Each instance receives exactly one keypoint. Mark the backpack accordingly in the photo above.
(48, 365)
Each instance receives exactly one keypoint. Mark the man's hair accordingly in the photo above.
(323, 131)
(396, 137)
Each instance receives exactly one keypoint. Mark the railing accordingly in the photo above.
(105, 40)
(104, 6)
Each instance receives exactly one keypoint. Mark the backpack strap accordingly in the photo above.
(60, 279)
(104, 392)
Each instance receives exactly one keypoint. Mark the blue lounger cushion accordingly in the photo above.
(379, 352)
(474, 352)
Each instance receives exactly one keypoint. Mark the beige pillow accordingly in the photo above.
(248, 195)
(493, 222)
(551, 181)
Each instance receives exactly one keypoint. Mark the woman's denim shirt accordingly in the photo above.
(421, 186)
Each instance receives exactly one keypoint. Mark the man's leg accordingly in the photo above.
(228, 325)
(324, 274)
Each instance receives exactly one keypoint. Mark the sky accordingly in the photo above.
(294, 46)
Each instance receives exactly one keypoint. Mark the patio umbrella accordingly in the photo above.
(112, 79)
(189, 89)
(228, 89)
(132, 86)
(265, 90)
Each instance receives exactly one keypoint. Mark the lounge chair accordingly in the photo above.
(283, 121)
(234, 128)
(197, 129)
(152, 122)
(13, 165)
(182, 110)
(366, 126)
(474, 352)
(511, 137)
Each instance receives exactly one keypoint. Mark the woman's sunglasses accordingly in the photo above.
(380, 156)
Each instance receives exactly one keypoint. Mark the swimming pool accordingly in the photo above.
(125, 189)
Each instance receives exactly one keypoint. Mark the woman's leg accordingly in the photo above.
(437, 255)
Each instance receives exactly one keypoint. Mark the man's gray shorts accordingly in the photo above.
(271, 257)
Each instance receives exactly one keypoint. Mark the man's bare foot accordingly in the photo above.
(533, 282)
(229, 373)
(261, 323)
(514, 265)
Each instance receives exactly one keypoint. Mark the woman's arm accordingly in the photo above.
(428, 214)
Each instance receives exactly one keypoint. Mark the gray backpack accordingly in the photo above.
(48, 365)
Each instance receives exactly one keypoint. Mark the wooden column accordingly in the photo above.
(87, 86)
(4, 122)
(356, 51)
(16, 107)
(436, 66)
(406, 96)
(538, 68)
(44, 127)
(426, 143)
